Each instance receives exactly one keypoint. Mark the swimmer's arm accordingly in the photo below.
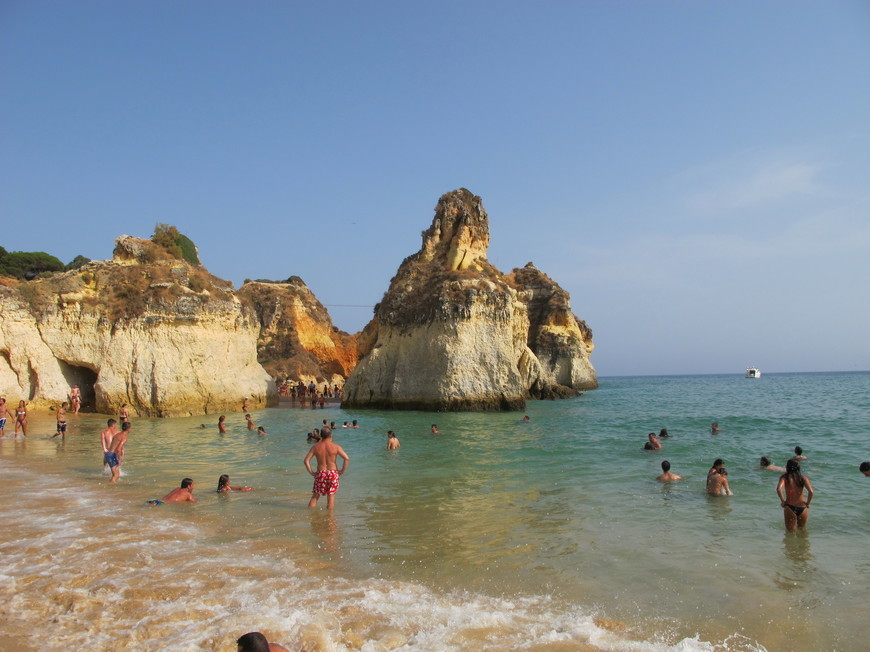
(779, 486)
(809, 487)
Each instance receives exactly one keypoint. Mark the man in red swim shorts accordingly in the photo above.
(327, 476)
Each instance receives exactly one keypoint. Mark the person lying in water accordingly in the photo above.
(766, 464)
(224, 487)
(182, 494)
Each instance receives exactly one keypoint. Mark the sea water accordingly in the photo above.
(492, 535)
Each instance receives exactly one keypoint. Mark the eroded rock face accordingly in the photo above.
(297, 338)
(454, 333)
(165, 337)
(560, 342)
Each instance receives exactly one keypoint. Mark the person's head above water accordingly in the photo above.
(223, 481)
(765, 460)
(186, 483)
(865, 468)
(666, 466)
(252, 642)
(798, 450)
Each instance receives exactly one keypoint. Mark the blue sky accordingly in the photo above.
(696, 174)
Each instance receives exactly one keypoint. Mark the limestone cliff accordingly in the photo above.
(159, 334)
(560, 342)
(297, 338)
(454, 333)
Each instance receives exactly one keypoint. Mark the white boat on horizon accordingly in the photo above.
(753, 372)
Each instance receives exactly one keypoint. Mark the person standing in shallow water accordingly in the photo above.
(124, 414)
(790, 489)
(61, 420)
(4, 414)
(327, 476)
(75, 397)
(116, 452)
(21, 418)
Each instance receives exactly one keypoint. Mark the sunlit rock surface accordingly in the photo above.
(453, 333)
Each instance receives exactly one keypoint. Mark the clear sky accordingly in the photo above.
(696, 174)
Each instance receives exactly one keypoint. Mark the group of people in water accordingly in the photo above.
(790, 488)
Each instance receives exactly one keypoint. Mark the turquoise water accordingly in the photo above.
(494, 534)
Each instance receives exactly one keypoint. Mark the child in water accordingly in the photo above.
(224, 485)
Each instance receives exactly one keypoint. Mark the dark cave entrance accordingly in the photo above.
(86, 379)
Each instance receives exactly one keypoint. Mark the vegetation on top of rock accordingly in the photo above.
(27, 264)
(77, 262)
(292, 280)
(177, 244)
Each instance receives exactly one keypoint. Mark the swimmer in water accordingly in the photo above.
(182, 494)
(790, 489)
(224, 487)
(717, 483)
(653, 444)
(667, 476)
(765, 464)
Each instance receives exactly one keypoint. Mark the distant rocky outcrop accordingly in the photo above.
(454, 333)
(162, 335)
(297, 338)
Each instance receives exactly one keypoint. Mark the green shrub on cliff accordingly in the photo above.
(177, 244)
(77, 262)
(27, 264)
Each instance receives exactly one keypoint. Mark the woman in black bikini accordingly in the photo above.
(790, 490)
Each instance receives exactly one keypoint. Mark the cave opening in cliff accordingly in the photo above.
(86, 379)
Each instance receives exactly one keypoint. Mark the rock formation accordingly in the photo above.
(159, 334)
(454, 333)
(297, 338)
